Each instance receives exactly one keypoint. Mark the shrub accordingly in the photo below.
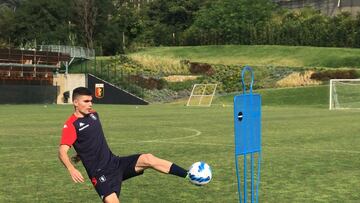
(147, 82)
(199, 68)
(185, 85)
(164, 95)
(335, 74)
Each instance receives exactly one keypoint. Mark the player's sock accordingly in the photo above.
(178, 171)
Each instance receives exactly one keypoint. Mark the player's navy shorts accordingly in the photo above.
(107, 181)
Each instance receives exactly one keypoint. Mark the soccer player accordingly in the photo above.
(106, 171)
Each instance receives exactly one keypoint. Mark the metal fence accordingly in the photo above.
(74, 51)
(327, 7)
(112, 73)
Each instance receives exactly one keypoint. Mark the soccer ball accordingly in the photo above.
(200, 173)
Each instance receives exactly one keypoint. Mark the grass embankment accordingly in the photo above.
(259, 55)
(304, 96)
(271, 64)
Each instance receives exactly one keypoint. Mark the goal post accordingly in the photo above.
(344, 94)
(202, 95)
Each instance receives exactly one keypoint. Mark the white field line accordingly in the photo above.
(174, 141)
(196, 133)
(55, 160)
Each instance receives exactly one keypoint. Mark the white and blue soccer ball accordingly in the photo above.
(200, 173)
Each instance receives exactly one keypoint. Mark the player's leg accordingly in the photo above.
(108, 185)
(112, 198)
(150, 161)
(146, 161)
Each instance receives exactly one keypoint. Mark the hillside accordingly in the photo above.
(260, 55)
(146, 72)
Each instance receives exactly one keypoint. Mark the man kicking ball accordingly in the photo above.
(106, 171)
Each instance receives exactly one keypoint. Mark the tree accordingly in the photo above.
(7, 25)
(232, 21)
(86, 12)
(12, 4)
(357, 31)
(342, 30)
(165, 21)
(43, 21)
(118, 24)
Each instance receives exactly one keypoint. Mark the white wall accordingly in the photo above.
(68, 82)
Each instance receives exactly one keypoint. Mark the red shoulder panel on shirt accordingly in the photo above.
(68, 136)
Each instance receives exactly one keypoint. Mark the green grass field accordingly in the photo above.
(261, 55)
(310, 154)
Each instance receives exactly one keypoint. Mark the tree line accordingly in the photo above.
(114, 26)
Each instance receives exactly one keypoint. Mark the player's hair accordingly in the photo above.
(80, 91)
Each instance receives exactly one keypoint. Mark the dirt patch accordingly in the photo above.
(180, 78)
(298, 79)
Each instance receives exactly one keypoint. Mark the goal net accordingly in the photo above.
(344, 94)
(202, 95)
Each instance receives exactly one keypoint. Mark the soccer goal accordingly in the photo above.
(202, 95)
(344, 94)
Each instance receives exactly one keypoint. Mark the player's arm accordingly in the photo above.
(64, 158)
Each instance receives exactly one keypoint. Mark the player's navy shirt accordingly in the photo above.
(87, 137)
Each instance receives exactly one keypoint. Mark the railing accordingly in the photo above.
(73, 51)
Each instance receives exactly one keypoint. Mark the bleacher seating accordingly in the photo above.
(29, 67)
